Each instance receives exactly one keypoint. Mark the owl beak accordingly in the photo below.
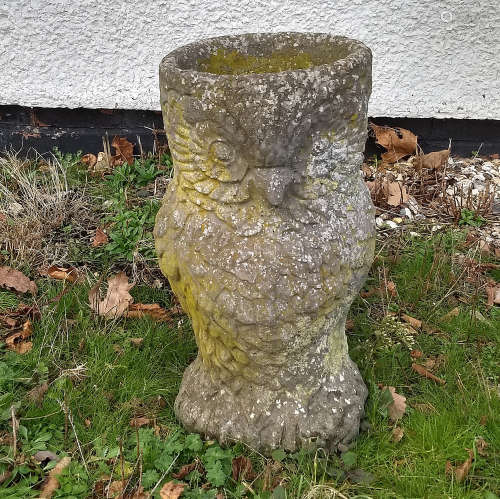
(272, 183)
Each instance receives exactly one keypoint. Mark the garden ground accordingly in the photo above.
(101, 391)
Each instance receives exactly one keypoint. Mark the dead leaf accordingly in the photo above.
(22, 347)
(452, 313)
(242, 469)
(137, 342)
(416, 323)
(374, 186)
(115, 489)
(102, 166)
(14, 280)
(138, 422)
(16, 341)
(427, 374)
(15, 318)
(396, 193)
(434, 160)
(118, 490)
(117, 299)
(186, 469)
(118, 349)
(390, 287)
(52, 484)
(397, 434)
(434, 363)
(88, 423)
(370, 292)
(397, 409)
(9, 322)
(104, 489)
(100, 238)
(481, 446)
(493, 293)
(172, 490)
(399, 142)
(139, 493)
(386, 288)
(484, 247)
(349, 325)
(462, 471)
(63, 273)
(89, 160)
(37, 394)
(367, 171)
(153, 310)
(483, 420)
(416, 354)
(124, 151)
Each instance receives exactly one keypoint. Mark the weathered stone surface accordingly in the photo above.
(266, 232)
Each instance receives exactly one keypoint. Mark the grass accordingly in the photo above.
(98, 381)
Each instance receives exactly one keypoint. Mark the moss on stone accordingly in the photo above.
(225, 62)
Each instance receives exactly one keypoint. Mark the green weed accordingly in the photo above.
(131, 230)
(469, 217)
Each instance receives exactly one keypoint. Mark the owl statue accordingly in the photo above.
(266, 232)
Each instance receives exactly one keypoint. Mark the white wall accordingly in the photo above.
(431, 58)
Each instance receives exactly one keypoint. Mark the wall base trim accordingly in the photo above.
(42, 129)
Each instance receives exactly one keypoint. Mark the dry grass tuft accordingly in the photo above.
(33, 203)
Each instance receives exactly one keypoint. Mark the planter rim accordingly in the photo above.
(358, 53)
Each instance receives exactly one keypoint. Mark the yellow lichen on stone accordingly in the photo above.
(232, 62)
(217, 346)
(329, 135)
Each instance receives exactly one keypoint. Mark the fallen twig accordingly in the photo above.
(427, 374)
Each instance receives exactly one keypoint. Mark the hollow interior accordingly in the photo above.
(262, 54)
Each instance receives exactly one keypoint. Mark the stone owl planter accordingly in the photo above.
(266, 233)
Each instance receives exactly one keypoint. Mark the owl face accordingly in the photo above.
(224, 154)
(214, 160)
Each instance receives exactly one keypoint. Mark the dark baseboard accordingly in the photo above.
(435, 134)
(71, 130)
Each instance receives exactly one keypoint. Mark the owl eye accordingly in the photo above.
(222, 150)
